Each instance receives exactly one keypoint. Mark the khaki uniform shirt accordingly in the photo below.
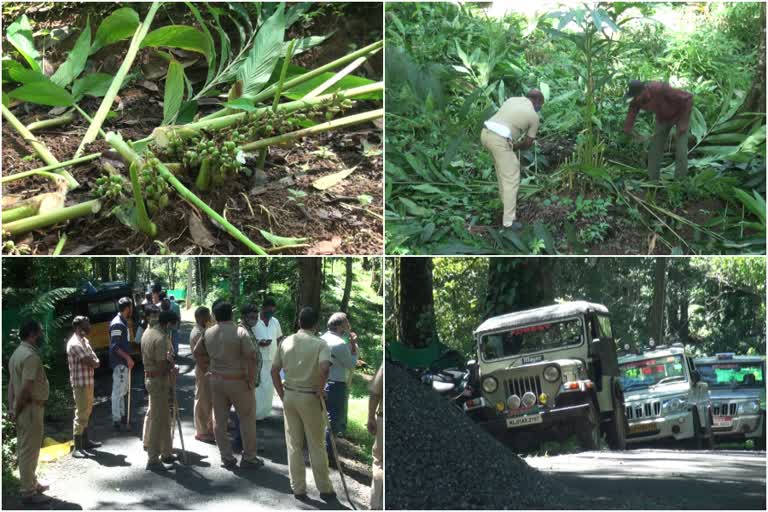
(300, 355)
(377, 388)
(154, 350)
(26, 364)
(518, 115)
(229, 347)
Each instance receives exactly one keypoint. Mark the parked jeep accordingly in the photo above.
(550, 371)
(737, 390)
(665, 397)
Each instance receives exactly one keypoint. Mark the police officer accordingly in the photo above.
(152, 315)
(306, 360)
(27, 394)
(120, 360)
(203, 402)
(159, 371)
(232, 370)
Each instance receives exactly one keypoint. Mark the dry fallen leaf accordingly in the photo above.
(329, 181)
(200, 234)
(148, 85)
(326, 246)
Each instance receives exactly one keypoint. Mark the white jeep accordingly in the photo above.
(665, 397)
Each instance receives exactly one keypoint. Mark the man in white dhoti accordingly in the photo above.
(269, 334)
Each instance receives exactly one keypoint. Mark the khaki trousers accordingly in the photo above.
(507, 172)
(304, 417)
(158, 424)
(203, 405)
(237, 393)
(83, 408)
(29, 439)
(377, 489)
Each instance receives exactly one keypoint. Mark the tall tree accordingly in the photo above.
(203, 275)
(190, 283)
(656, 314)
(755, 99)
(234, 279)
(518, 283)
(347, 286)
(132, 269)
(309, 285)
(416, 311)
(172, 269)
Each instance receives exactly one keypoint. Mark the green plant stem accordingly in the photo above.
(130, 156)
(203, 181)
(60, 245)
(338, 76)
(51, 123)
(145, 223)
(330, 125)
(162, 134)
(20, 212)
(90, 120)
(55, 217)
(42, 151)
(114, 88)
(276, 101)
(269, 91)
(45, 171)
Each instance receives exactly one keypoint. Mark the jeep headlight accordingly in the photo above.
(748, 407)
(490, 384)
(551, 373)
(529, 399)
(513, 402)
(673, 405)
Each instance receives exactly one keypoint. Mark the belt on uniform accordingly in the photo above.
(155, 374)
(299, 390)
(226, 377)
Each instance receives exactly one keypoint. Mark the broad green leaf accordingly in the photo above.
(305, 43)
(264, 55)
(75, 63)
(93, 84)
(6, 100)
(24, 75)
(174, 92)
(204, 26)
(301, 90)
(282, 241)
(179, 36)
(414, 209)
(43, 93)
(119, 25)
(19, 34)
(240, 104)
(698, 124)
(427, 188)
(754, 203)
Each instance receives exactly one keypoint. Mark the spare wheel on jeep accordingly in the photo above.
(589, 434)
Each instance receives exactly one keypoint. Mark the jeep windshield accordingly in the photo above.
(651, 372)
(732, 374)
(534, 338)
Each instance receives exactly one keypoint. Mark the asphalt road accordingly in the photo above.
(663, 478)
(117, 479)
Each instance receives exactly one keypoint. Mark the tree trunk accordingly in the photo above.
(131, 269)
(190, 283)
(347, 286)
(416, 315)
(309, 285)
(234, 280)
(656, 314)
(518, 284)
(203, 266)
(755, 99)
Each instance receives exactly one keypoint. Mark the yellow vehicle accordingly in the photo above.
(99, 304)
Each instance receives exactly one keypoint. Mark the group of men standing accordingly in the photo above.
(237, 364)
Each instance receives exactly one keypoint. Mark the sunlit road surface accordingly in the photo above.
(671, 479)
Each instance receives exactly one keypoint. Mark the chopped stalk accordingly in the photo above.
(52, 123)
(337, 77)
(60, 245)
(145, 223)
(276, 102)
(55, 217)
(114, 88)
(330, 125)
(45, 170)
(20, 212)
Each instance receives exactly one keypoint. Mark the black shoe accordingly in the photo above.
(78, 450)
(157, 466)
(246, 464)
(515, 226)
(170, 459)
(300, 497)
(328, 496)
(229, 464)
(87, 443)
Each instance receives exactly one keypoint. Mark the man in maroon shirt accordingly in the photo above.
(672, 107)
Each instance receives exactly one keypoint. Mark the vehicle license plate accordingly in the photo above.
(642, 428)
(722, 421)
(521, 421)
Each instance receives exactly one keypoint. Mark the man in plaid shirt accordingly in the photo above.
(82, 360)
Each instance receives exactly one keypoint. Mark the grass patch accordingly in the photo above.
(357, 430)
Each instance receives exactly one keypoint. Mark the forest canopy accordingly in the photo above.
(584, 184)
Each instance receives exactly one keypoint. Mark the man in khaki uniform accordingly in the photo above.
(502, 137)
(27, 394)
(159, 369)
(306, 360)
(152, 314)
(376, 427)
(203, 400)
(232, 377)
(82, 360)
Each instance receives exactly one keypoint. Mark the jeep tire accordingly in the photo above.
(709, 440)
(589, 435)
(699, 440)
(760, 444)
(616, 429)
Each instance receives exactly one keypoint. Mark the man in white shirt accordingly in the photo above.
(268, 333)
(502, 137)
(343, 360)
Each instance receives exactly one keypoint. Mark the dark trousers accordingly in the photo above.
(656, 151)
(237, 439)
(337, 397)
